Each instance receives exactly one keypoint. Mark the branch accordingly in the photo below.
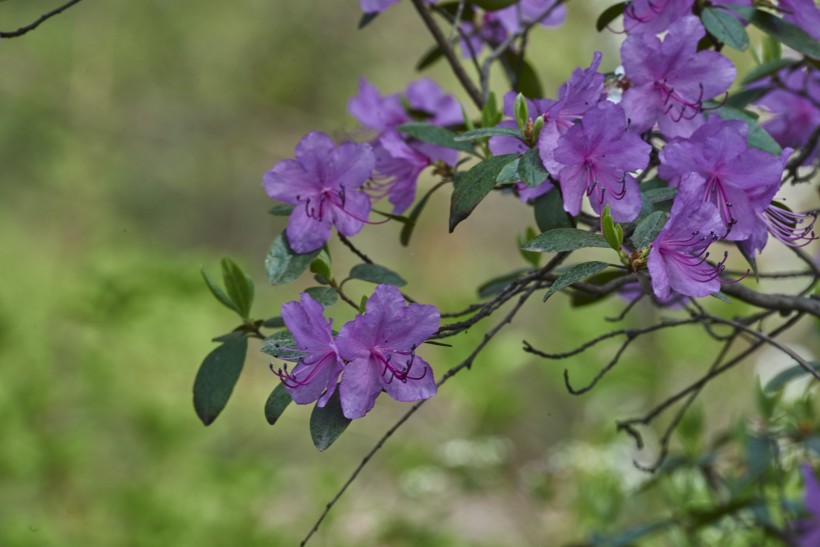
(449, 53)
(28, 28)
(779, 302)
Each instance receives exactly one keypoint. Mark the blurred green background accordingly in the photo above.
(133, 137)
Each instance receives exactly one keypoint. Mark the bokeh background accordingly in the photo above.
(133, 137)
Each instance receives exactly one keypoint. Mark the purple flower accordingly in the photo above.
(670, 80)
(581, 92)
(474, 36)
(802, 13)
(654, 16)
(737, 179)
(596, 156)
(677, 259)
(526, 11)
(809, 529)
(400, 164)
(426, 96)
(375, 111)
(500, 145)
(380, 347)
(378, 6)
(323, 183)
(796, 115)
(319, 368)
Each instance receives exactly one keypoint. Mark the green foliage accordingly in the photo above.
(609, 15)
(277, 403)
(326, 296)
(283, 265)
(216, 378)
(573, 274)
(549, 212)
(239, 287)
(648, 229)
(560, 240)
(327, 423)
(531, 170)
(376, 274)
(725, 27)
(435, 135)
(474, 185)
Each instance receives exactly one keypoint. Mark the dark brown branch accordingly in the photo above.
(449, 53)
(779, 302)
(28, 28)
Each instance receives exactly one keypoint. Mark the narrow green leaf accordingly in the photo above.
(322, 264)
(609, 15)
(722, 297)
(573, 274)
(216, 378)
(490, 115)
(531, 169)
(562, 240)
(276, 404)
(474, 185)
(772, 51)
(283, 265)
(432, 56)
(376, 274)
(274, 323)
(509, 174)
(659, 195)
(484, 132)
(282, 346)
(216, 290)
(646, 232)
(549, 212)
(325, 296)
(750, 259)
(434, 135)
(327, 423)
(744, 98)
(725, 27)
(767, 69)
(531, 257)
(281, 209)
(784, 31)
(786, 376)
(239, 286)
(529, 84)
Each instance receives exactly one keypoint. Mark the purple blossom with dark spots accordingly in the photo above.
(737, 179)
(678, 256)
(323, 183)
(582, 91)
(596, 157)
(670, 79)
(315, 374)
(380, 349)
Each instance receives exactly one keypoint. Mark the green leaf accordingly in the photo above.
(609, 14)
(659, 195)
(750, 258)
(744, 98)
(521, 111)
(562, 240)
(283, 265)
(533, 258)
(722, 297)
(278, 401)
(325, 296)
(274, 323)
(216, 377)
(282, 346)
(407, 229)
(725, 27)
(377, 274)
(493, 5)
(327, 423)
(322, 264)
(648, 230)
(474, 185)
(490, 115)
(367, 18)
(531, 169)
(509, 174)
(239, 287)
(758, 137)
(767, 69)
(433, 55)
(497, 284)
(484, 132)
(771, 49)
(575, 273)
(216, 290)
(281, 209)
(549, 212)
(434, 135)
(784, 31)
(529, 84)
(786, 376)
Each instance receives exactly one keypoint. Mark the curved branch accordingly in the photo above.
(28, 28)
(779, 302)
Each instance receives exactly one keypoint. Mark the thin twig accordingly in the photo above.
(28, 28)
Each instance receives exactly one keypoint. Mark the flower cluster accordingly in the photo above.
(374, 352)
